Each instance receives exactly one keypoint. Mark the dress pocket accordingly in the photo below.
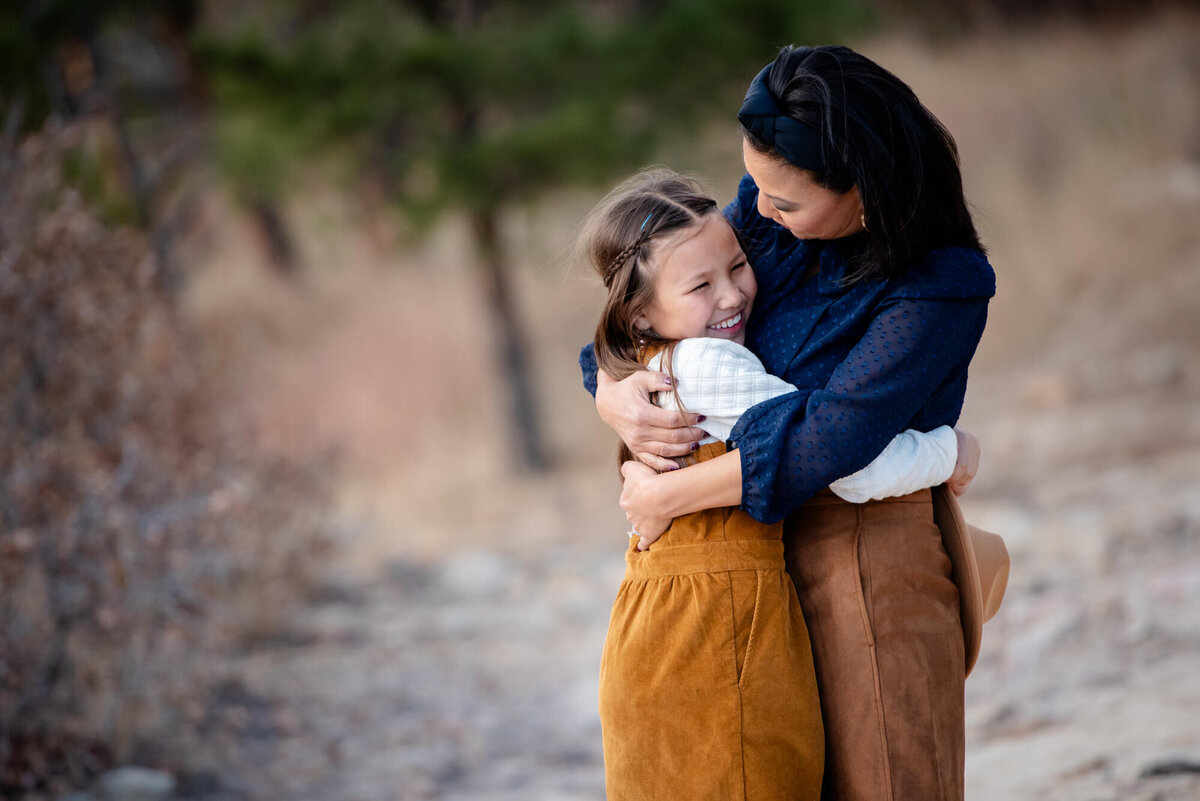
(864, 587)
(746, 589)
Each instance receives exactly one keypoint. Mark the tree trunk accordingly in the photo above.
(512, 355)
(280, 252)
(167, 272)
(14, 118)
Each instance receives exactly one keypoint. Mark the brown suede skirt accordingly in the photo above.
(707, 687)
(882, 609)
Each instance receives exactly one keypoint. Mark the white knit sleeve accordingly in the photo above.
(719, 379)
(912, 461)
(722, 379)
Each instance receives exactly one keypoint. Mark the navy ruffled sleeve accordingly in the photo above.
(907, 371)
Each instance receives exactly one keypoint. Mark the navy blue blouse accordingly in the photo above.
(871, 359)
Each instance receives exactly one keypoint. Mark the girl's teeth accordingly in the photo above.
(730, 323)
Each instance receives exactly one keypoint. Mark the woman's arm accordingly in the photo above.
(652, 500)
(723, 379)
(795, 445)
(654, 435)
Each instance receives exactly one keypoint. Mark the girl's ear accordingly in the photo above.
(641, 323)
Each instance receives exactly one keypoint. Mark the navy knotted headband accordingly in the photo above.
(760, 114)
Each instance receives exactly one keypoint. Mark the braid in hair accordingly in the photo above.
(615, 265)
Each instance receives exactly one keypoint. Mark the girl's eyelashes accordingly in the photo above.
(739, 265)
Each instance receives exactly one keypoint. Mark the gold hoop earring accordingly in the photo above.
(863, 218)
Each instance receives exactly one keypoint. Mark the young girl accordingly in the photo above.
(707, 688)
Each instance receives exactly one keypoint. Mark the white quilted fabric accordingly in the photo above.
(718, 378)
(722, 379)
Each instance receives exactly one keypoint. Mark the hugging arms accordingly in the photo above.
(869, 360)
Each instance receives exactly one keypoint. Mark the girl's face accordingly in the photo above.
(703, 286)
(789, 196)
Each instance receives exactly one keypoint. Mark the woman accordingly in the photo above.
(873, 292)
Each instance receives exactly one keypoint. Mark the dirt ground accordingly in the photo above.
(453, 650)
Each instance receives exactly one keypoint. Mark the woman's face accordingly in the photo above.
(703, 286)
(789, 196)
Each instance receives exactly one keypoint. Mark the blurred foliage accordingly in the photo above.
(92, 170)
(141, 532)
(475, 104)
(36, 39)
(955, 18)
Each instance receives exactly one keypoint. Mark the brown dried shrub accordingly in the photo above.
(141, 535)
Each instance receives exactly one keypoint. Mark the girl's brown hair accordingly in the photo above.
(619, 240)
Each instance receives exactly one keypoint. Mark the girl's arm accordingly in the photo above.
(966, 465)
(911, 461)
(794, 445)
(722, 379)
(914, 461)
(652, 500)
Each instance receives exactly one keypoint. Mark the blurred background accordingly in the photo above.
(300, 494)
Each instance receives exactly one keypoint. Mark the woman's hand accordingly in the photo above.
(641, 506)
(652, 434)
(967, 464)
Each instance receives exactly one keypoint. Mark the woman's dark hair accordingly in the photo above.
(619, 239)
(874, 133)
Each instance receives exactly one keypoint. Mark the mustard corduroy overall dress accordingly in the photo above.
(707, 687)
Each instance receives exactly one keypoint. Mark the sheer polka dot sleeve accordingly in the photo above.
(795, 445)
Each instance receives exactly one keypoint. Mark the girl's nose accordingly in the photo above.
(731, 296)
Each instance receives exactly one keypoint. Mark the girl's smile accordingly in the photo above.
(729, 324)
